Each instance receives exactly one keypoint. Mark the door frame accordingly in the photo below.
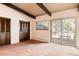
(61, 29)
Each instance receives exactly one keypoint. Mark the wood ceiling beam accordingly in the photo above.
(18, 9)
(44, 8)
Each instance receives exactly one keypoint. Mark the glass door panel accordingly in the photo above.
(56, 31)
(68, 32)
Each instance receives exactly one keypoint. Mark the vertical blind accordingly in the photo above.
(4, 25)
(23, 27)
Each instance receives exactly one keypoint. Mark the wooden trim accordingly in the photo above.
(44, 8)
(38, 41)
(18, 9)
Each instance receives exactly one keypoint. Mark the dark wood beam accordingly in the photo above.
(18, 9)
(44, 8)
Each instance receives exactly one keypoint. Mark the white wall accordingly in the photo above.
(44, 35)
(15, 17)
(41, 35)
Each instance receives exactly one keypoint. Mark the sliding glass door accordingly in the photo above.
(68, 32)
(56, 31)
(63, 31)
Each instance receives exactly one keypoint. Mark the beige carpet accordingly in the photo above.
(36, 48)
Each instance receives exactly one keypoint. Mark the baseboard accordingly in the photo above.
(39, 40)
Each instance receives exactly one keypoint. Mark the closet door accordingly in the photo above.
(3, 32)
(24, 34)
(28, 30)
(21, 34)
(8, 31)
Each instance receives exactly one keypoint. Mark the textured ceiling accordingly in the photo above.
(35, 10)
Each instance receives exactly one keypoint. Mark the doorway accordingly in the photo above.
(24, 31)
(64, 31)
(4, 31)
